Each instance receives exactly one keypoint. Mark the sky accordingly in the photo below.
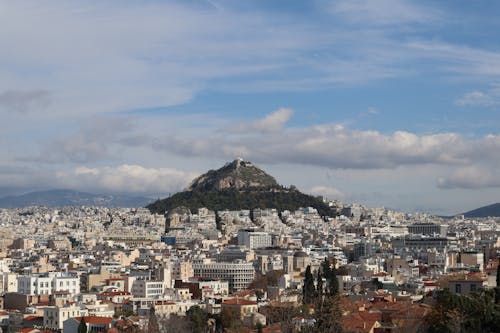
(390, 103)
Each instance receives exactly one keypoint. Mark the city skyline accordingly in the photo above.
(391, 104)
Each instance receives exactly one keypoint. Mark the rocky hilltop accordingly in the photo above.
(238, 185)
(237, 174)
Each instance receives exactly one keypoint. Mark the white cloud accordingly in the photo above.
(328, 192)
(125, 179)
(335, 146)
(272, 122)
(472, 177)
(480, 98)
(99, 61)
(383, 12)
(459, 59)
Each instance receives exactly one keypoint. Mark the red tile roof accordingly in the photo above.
(238, 301)
(95, 320)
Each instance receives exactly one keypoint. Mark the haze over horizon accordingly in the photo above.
(393, 103)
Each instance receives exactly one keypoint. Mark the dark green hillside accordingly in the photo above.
(239, 185)
(486, 211)
(234, 199)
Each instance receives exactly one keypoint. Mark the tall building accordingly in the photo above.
(429, 229)
(239, 275)
(254, 239)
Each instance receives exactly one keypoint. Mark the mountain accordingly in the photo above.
(237, 175)
(490, 210)
(239, 185)
(61, 198)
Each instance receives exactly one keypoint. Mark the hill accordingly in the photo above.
(61, 198)
(239, 185)
(490, 210)
(237, 174)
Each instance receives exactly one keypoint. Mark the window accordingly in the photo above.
(473, 287)
(458, 288)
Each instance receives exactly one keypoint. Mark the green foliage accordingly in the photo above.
(319, 284)
(153, 325)
(82, 327)
(327, 312)
(308, 290)
(330, 275)
(197, 318)
(477, 312)
(328, 315)
(236, 199)
(498, 274)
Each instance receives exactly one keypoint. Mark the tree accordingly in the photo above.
(333, 282)
(153, 326)
(497, 289)
(319, 284)
(197, 319)
(308, 289)
(230, 318)
(82, 327)
(328, 314)
(498, 274)
(476, 312)
(259, 294)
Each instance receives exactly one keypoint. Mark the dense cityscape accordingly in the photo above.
(251, 166)
(359, 269)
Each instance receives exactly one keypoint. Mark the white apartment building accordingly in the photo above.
(148, 288)
(254, 239)
(46, 284)
(238, 274)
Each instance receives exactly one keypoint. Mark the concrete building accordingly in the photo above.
(429, 229)
(254, 239)
(239, 275)
(148, 288)
(48, 283)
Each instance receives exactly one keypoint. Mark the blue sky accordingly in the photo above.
(387, 103)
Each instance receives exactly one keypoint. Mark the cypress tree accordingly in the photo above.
(319, 284)
(153, 325)
(82, 327)
(498, 274)
(334, 283)
(308, 289)
(328, 314)
(497, 289)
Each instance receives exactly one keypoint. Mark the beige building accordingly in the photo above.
(60, 244)
(300, 261)
(182, 270)
(240, 305)
(54, 316)
(22, 244)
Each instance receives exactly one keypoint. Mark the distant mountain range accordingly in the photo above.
(490, 210)
(239, 185)
(61, 198)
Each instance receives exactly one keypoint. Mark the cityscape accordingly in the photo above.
(249, 166)
(246, 270)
